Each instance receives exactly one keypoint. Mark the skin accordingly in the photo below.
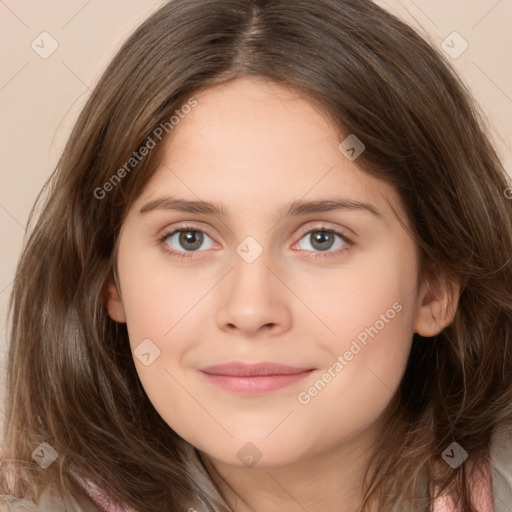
(254, 147)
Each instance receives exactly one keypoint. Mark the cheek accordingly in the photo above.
(370, 313)
(351, 392)
(160, 304)
(159, 298)
(361, 301)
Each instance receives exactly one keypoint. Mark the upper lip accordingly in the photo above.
(239, 369)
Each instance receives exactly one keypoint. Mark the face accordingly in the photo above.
(279, 325)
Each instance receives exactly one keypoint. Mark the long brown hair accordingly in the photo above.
(71, 379)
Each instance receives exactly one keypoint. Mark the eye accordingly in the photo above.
(183, 240)
(322, 240)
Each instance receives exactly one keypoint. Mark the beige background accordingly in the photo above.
(40, 98)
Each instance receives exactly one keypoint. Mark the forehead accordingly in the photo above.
(258, 145)
(258, 116)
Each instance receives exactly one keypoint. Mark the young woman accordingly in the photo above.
(272, 271)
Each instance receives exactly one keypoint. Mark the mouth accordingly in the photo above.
(257, 378)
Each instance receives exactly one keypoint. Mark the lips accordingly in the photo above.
(250, 378)
(252, 370)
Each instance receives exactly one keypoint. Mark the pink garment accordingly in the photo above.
(482, 496)
(102, 500)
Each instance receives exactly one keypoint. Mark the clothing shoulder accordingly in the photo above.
(501, 458)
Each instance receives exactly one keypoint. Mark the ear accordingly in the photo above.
(114, 304)
(437, 304)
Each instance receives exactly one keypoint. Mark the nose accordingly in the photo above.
(254, 299)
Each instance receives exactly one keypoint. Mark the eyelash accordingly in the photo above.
(316, 254)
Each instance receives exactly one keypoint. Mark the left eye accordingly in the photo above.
(324, 239)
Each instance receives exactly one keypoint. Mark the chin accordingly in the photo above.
(258, 453)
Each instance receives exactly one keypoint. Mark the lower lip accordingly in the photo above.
(255, 384)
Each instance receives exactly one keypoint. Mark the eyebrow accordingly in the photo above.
(295, 208)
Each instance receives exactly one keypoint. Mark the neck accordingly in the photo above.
(332, 480)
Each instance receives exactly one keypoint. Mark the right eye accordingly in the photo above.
(189, 238)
